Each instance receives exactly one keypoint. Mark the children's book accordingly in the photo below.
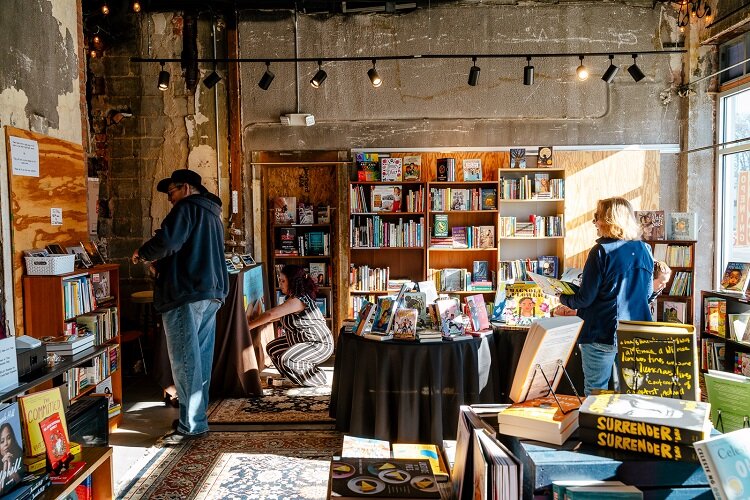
(674, 312)
(735, 277)
(572, 275)
(430, 292)
(544, 156)
(472, 170)
(652, 223)
(412, 168)
(384, 315)
(405, 324)
(541, 184)
(418, 302)
(391, 169)
(56, 440)
(480, 270)
(523, 303)
(354, 446)
(547, 265)
(489, 199)
(477, 313)
(548, 342)
(486, 237)
(11, 447)
(552, 286)
(682, 226)
(382, 478)
(517, 158)
(724, 458)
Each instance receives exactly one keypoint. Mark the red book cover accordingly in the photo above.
(55, 440)
(66, 475)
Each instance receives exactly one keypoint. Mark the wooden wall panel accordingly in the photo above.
(61, 184)
(594, 175)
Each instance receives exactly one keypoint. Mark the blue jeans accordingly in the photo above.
(190, 330)
(598, 362)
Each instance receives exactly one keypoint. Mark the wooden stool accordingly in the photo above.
(145, 300)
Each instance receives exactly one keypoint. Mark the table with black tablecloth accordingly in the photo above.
(409, 391)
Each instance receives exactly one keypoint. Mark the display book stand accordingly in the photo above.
(551, 392)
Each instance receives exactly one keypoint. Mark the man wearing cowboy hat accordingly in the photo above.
(191, 284)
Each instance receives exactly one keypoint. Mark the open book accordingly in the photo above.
(548, 342)
(553, 286)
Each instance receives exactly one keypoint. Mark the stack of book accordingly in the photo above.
(541, 419)
(662, 427)
(67, 345)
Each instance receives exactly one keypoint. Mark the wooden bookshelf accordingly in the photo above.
(98, 466)
(735, 304)
(680, 269)
(46, 314)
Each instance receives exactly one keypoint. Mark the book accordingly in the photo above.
(674, 312)
(477, 312)
(541, 184)
(418, 302)
(318, 273)
(652, 223)
(395, 478)
(657, 358)
(486, 237)
(285, 209)
(459, 200)
(552, 286)
(100, 285)
(386, 198)
(523, 303)
(443, 167)
(384, 315)
(735, 277)
(625, 492)
(69, 343)
(618, 441)
(36, 407)
(93, 252)
(573, 275)
(354, 446)
(67, 475)
(368, 171)
(682, 226)
(11, 447)
(517, 158)
(489, 199)
(724, 458)
(288, 240)
(323, 214)
(440, 226)
(305, 213)
(541, 419)
(412, 168)
(391, 169)
(729, 397)
(548, 342)
(544, 156)
(322, 303)
(55, 441)
(738, 324)
(480, 270)
(559, 487)
(405, 324)
(428, 287)
(429, 452)
(472, 169)
(316, 243)
(547, 265)
(667, 420)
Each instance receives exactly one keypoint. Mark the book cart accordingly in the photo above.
(51, 302)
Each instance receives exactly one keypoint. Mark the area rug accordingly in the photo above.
(259, 465)
(276, 406)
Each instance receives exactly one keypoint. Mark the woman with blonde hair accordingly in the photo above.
(616, 285)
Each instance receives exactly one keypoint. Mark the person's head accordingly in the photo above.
(181, 184)
(526, 306)
(614, 218)
(294, 281)
(732, 278)
(662, 273)
(8, 441)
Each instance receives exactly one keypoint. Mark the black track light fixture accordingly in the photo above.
(212, 79)
(582, 72)
(635, 71)
(319, 77)
(611, 71)
(372, 74)
(474, 73)
(163, 78)
(267, 78)
(528, 72)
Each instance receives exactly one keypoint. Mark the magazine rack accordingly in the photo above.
(676, 387)
(560, 366)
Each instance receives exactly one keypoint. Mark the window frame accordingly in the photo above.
(720, 198)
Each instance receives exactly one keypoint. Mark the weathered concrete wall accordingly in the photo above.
(40, 87)
(168, 130)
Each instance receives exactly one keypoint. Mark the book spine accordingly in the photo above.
(639, 429)
(710, 470)
(661, 449)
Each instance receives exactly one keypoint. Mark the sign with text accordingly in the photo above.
(8, 363)
(24, 156)
(657, 359)
(742, 234)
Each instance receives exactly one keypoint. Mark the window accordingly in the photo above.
(732, 53)
(733, 223)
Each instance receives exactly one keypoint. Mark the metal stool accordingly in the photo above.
(144, 299)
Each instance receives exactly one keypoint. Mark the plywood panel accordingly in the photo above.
(594, 175)
(61, 184)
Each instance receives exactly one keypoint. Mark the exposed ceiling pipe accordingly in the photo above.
(189, 55)
(296, 57)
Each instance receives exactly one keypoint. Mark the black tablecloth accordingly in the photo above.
(410, 392)
(235, 369)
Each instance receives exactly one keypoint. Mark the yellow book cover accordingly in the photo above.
(542, 411)
(35, 408)
(428, 451)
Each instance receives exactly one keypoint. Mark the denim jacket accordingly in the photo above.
(617, 283)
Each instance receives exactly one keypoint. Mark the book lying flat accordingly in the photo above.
(381, 478)
(553, 286)
(541, 419)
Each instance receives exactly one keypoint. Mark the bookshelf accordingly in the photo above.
(680, 257)
(720, 333)
(53, 303)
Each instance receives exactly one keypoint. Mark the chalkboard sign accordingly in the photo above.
(658, 359)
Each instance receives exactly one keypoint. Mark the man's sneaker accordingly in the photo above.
(178, 438)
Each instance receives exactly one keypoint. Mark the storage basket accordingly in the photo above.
(50, 265)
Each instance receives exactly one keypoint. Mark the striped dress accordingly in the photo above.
(306, 343)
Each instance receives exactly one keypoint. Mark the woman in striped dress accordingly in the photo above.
(307, 340)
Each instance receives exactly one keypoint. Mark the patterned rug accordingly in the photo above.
(259, 465)
(276, 406)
